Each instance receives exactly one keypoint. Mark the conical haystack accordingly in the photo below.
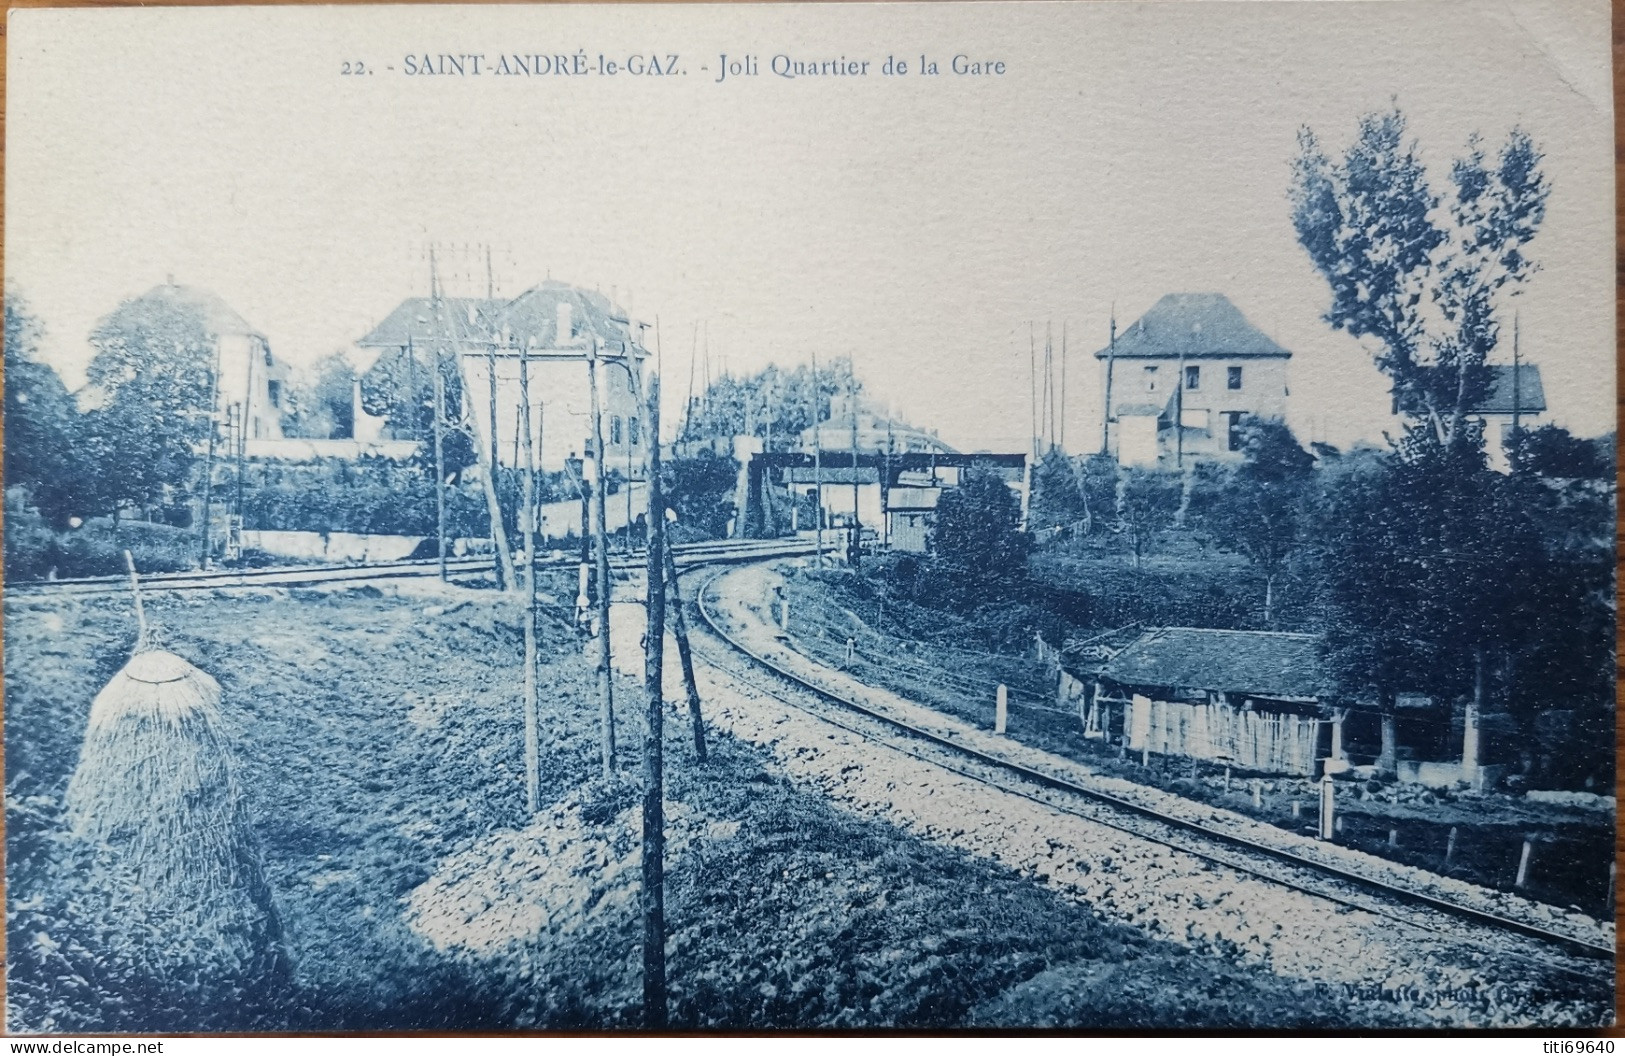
(155, 787)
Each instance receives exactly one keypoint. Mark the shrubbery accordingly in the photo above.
(371, 497)
(95, 548)
(381, 497)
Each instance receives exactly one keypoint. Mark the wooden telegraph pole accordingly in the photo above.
(654, 806)
(600, 534)
(440, 468)
(1106, 406)
(1063, 385)
(1032, 386)
(685, 653)
(208, 459)
(491, 369)
(437, 413)
(502, 566)
(818, 470)
(856, 553)
(679, 621)
(527, 526)
(1179, 411)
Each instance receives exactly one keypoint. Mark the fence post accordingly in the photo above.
(1258, 794)
(1393, 837)
(1330, 824)
(851, 649)
(1450, 848)
(1001, 709)
(784, 615)
(1523, 866)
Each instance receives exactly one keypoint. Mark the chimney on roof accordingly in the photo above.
(566, 326)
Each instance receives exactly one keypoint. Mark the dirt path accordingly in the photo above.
(1123, 878)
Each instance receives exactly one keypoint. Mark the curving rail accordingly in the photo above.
(1572, 944)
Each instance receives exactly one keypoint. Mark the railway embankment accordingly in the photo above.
(1047, 748)
(1431, 978)
(379, 739)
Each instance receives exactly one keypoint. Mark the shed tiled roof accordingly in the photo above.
(1193, 326)
(1263, 663)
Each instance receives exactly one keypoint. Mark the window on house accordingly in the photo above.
(632, 431)
(1193, 377)
(1234, 379)
(273, 391)
(615, 430)
(1150, 379)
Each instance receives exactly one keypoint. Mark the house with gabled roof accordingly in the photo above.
(1515, 398)
(553, 326)
(1180, 381)
(250, 383)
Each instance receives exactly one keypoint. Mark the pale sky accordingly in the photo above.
(917, 224)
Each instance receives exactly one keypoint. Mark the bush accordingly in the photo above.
(381, 497)
(95, 548)
(32, 548)
(701, 490)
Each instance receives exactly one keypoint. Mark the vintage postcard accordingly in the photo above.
(809, 517)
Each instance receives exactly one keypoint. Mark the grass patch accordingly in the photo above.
(377, 744)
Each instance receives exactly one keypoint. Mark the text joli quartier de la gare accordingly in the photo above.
(726, 67)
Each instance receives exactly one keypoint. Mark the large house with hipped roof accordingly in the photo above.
(1180, 381)
(554, 326)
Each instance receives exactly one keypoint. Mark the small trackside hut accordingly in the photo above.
(1251, 699)
(1260, 701)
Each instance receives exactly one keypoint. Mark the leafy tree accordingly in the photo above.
(43, 441)
(1078, 493)
(400, 388)
(1428, 572)
(1554, 452)
(1147, 504)
(1563, 655)
(1418, 272)
(773, 404)
(701, 491)
(978, 532)
(154, 370)
(1058, 500)
(1430, 557)
(1257, 508)
(324, 405)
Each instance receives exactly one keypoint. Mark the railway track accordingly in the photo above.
(686, 555)
(1422, 913)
